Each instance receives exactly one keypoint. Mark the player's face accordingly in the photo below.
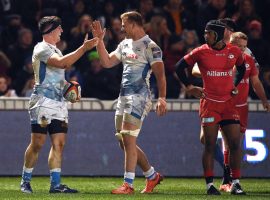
(227, 35)
(241, 43)
(127, 28)
(57, 33)
(209, 37)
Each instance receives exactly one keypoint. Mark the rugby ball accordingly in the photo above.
(72, 91)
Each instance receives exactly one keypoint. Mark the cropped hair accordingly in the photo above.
(133, 16)
(237, 36)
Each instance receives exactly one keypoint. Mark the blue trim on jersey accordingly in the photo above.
(34, 122)
(135, 115)
(42, 72)
(145, 71)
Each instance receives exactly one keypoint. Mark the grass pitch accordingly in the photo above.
(99, 188)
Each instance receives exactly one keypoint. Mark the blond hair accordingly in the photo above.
(238, 35)
(133, 16)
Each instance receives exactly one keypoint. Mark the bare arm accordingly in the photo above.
(69, 59)
(107, 60)
(196, 71)
(159, 72)
(259, 90)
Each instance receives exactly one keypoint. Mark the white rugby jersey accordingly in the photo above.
(137, 58)
(49, 80)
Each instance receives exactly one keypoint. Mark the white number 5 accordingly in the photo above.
(260, 148)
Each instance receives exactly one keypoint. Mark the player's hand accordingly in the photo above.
(195, 91)
(161, 107)
(97, 30)
(266, 106)
(89, 44)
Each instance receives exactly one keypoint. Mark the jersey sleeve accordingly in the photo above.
(44, 52)
(153, 53)
(118, 51)
(192, 57)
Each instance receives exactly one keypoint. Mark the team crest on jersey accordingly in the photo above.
(247, 66)
(231, 56)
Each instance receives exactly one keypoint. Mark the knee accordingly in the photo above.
(58, 146)
(36, 146)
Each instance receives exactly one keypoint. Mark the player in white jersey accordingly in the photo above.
(140, 56)
(47, 109)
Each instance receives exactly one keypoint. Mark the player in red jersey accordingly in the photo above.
(240, 41)
(216, 60)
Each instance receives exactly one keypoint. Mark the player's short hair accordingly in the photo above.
(217, 27)
(48, 23)
(133, 16)
(230, 24)
(237, 36)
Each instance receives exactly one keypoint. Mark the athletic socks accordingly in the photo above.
(150, 174)
(129, 178)
(27, 174)
(55, 176)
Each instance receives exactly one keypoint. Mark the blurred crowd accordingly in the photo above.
(177, 26)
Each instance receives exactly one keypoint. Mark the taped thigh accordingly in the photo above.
(134, 133)
(132, 120)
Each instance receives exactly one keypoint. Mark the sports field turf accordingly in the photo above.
(99, 188)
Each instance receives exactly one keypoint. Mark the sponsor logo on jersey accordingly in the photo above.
(132, 55)
(247, 66)
(220, 54)
(156, 52)
(231, 56)
(216, 73)
(208, 119)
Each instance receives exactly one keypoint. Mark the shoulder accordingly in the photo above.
(249, 59)
(200, 49)
(233, 48)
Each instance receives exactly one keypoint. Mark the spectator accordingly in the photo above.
(245, 15)
(190, 39)
(23, 75)
(10, 31)
(258, 46)
(213, 9)
(100, 82)
(5, 63)
(28, 87)
(114, 34)
(175, 50)
(21, 50)
(77, 36)
(5, 91)
(177, 17)
(159, 31)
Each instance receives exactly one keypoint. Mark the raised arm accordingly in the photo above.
(69, 59)
(107, 60)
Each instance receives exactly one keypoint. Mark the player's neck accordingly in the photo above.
(219, 46)
(49, 40)
(138, 34)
